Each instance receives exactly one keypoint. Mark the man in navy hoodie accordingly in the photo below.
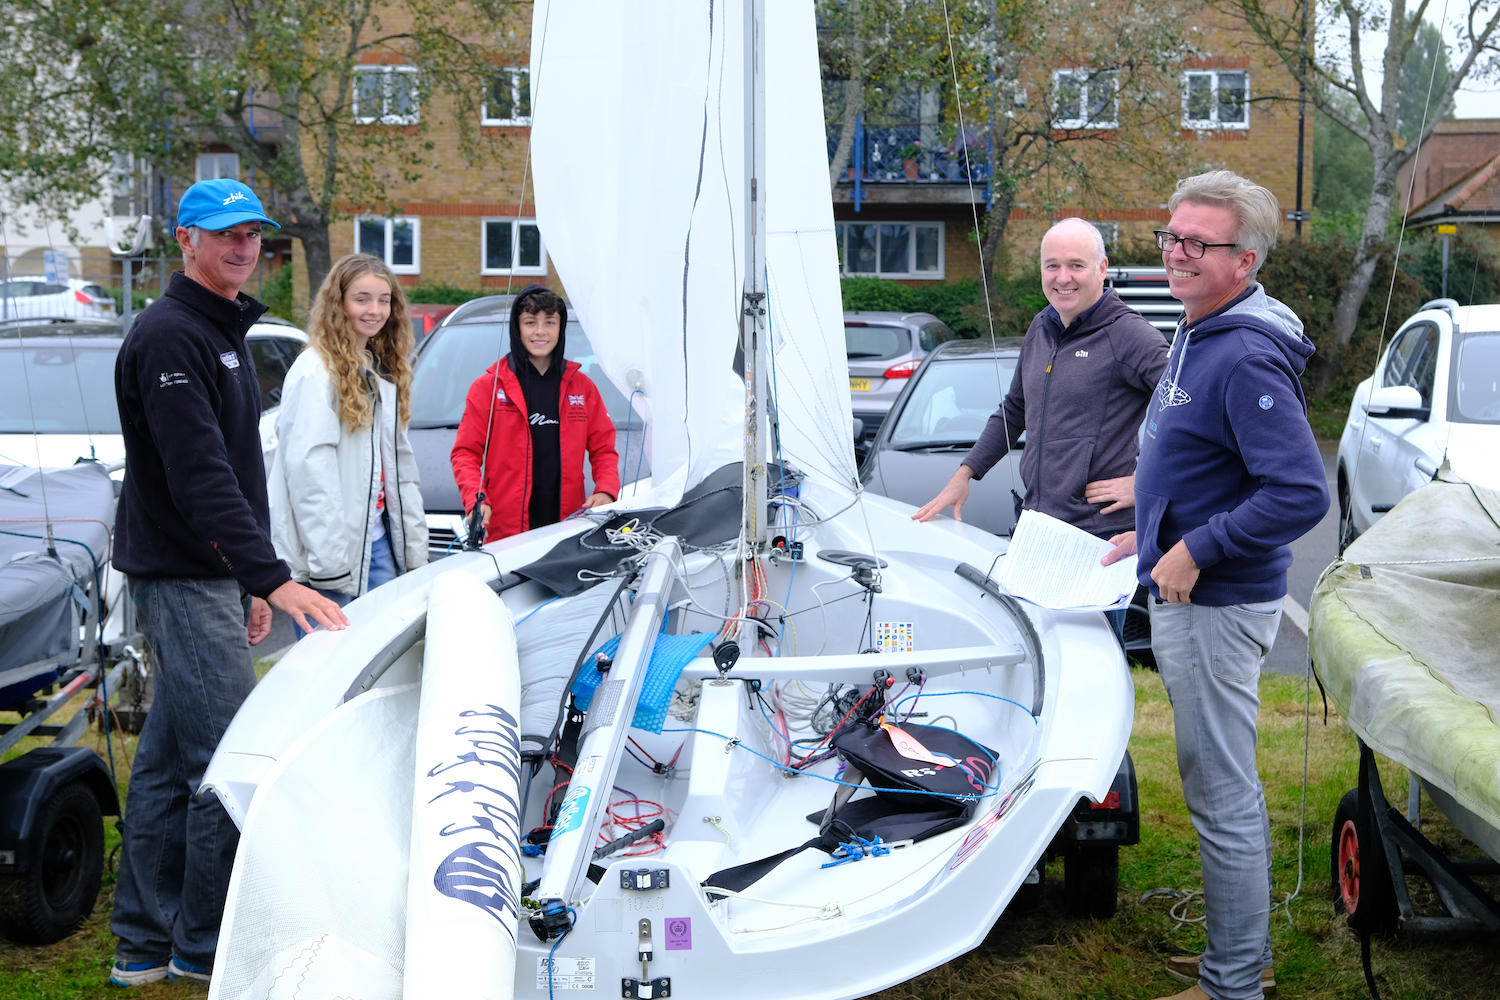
(1229, 475)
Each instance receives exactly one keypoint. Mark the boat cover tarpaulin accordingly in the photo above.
(1405, 636)
(39, 614)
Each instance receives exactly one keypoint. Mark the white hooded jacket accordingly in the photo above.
(325, 480)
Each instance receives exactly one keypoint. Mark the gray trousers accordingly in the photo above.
(1210, 660)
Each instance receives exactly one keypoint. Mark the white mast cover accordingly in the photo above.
(638, 157)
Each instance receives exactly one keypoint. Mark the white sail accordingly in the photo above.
(647, 235)
(639, 211)
(317, 901)
(810, 374)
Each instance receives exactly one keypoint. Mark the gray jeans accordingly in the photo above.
(178, 846)
(1210, 660)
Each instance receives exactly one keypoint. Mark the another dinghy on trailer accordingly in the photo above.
(698, 673)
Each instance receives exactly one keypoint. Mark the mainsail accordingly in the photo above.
(638, 150)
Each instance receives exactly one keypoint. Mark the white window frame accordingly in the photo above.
(415, 267)
(1212, 123)
(841, 234)
(385, 118)
(214, 159)
(515, 246)
(515, 98)
(1090, 78)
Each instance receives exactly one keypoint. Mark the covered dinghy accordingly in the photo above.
(1404, 632)
(45, 597)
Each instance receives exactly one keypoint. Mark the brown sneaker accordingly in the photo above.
(1194, 992)
(1184, 968)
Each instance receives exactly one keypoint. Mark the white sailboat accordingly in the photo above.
(695, 220)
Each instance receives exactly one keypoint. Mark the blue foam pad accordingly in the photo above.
(670, 655)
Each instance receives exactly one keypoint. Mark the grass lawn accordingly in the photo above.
(1047, 955)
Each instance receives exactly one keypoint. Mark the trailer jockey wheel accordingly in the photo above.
(46, 903)
(1091, 881)
(1361, 876)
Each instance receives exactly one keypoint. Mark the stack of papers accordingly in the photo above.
(1054, 565)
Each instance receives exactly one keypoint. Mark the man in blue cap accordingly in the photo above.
(193, 537)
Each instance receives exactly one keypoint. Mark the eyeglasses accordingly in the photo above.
(1193, 248)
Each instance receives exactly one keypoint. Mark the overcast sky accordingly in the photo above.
(1477, 99)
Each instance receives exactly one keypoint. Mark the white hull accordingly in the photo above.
(808, 932)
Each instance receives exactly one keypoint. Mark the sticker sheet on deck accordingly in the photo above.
(894, 637)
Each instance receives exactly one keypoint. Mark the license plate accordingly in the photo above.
(859, 385)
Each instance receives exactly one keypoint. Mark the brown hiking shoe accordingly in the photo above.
(1185, 969)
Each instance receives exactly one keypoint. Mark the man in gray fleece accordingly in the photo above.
(1086, 372)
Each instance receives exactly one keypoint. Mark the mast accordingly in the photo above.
(753, 328)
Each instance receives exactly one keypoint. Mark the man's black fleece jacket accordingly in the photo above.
(194, 500)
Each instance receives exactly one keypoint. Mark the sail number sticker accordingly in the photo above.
(565, 973)
(570, 816)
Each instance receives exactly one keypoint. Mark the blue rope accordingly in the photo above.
(629, 416)
(537, 608)
(983, 694)
(791, 536)
(552, 957)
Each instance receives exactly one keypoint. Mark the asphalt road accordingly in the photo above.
(1311, 554)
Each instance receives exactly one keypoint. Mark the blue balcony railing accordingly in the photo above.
(913, 154)
(930, 153)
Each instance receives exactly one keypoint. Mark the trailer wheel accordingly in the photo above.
(1091, 881)
(48, 902)
(1361, 876)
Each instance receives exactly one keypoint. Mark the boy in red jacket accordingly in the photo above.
(539, 414)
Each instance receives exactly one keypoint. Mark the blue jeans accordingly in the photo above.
(1210, 660)
(382, 570)
(178, 846)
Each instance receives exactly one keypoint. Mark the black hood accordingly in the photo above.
(517, 351)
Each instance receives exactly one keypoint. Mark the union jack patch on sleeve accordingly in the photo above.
(575, 400)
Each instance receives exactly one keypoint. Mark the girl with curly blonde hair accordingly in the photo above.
(346, 502)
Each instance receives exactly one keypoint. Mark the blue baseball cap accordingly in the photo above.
(220, 204)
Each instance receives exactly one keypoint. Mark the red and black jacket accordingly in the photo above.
(584, 426)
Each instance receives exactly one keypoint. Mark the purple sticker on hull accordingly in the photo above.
(679, 934)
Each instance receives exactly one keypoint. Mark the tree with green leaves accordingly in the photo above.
(330, 103)
(1050, 103)
(1392, 124)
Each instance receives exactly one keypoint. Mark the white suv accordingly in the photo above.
(1434, 397)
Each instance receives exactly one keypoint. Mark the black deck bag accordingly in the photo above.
(903, 806)
(913, 799)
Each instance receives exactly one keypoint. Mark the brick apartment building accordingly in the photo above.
(457, 225)
(906, 191)
(907, 216)
(1455, 176)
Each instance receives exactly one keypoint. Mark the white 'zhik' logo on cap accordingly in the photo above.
(236, 196)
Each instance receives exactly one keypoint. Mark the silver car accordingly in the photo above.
(884, 350)
(934, 423)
